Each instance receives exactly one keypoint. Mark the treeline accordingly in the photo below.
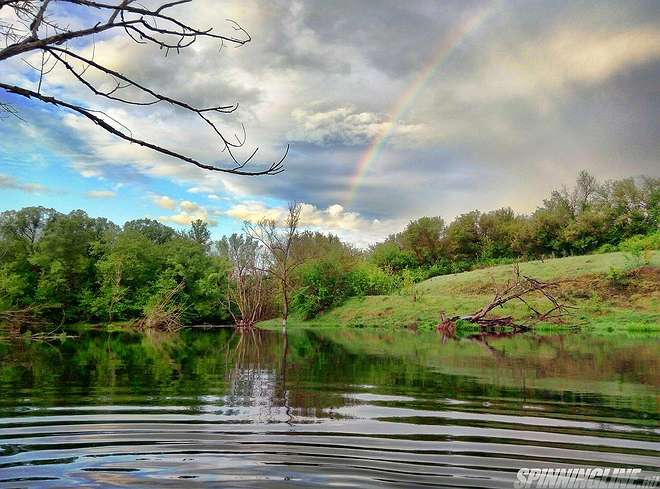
(72, 267)
(590, 216)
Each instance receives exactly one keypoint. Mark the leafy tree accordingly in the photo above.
(463, 237)
(199, 232)
(389, 255)
(125, 274)
(497, 230)
(152, 229)
(423, 237)
(64, 259)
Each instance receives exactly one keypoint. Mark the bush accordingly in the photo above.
(641, 243)
(324, 285)
(368, 279)
(607, 248)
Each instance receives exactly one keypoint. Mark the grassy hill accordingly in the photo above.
(611, 292)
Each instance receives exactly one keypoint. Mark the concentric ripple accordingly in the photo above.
(319, 409)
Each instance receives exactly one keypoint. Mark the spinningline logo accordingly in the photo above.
(578, 477)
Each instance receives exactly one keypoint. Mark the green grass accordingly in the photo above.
(634, 307)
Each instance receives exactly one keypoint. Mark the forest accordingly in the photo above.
(70, 268)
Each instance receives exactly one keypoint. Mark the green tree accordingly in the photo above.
(199, 232)
(152, 229)
(463, 237)
(65, 259)
(423, 237)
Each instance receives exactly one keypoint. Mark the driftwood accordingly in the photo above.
(520, 288)
(164, 315)
(27, 324)
(26, 317)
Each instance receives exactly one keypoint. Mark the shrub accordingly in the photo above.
(607, 248)
(368, 279)
(324, 285)
(640, 242)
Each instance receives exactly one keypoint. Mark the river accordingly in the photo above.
(318, 408)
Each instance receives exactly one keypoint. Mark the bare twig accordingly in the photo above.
(32, 31)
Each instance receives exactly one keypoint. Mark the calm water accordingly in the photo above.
(348, 408)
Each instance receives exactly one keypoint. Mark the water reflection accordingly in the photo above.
(319, 407)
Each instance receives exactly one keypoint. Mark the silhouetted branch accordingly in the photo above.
(32, 31)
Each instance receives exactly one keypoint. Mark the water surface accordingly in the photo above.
(352, 408)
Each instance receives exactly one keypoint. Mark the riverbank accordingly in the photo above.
(611, 292)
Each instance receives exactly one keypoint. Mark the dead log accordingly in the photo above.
(521, 288)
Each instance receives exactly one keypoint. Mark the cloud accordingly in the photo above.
(101, 194)
(344, 126)
(506, 113)
(188, 212)
(164, 202)
(540, 70)
(9, 182)
(335, 219)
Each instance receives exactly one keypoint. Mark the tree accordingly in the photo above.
(155, 231)
(423, 238)
(199, 232)
(463, 241)
(26, 225)
(32, 32)
(279, 242)
(496, 229)
(64, 258)
(125, 273)
(246, 290)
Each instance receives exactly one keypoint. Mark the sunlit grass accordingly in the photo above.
(600, 305)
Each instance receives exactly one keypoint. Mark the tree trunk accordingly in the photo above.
(285, 306)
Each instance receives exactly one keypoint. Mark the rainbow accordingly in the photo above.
(408, 98)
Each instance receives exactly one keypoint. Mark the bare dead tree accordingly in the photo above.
(279, 241)
(29, 28)
(246, 279)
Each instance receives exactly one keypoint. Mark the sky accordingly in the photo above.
(392, 110)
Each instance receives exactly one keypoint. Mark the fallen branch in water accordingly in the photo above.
(165, 314)
(27, 317)
(14, 332)
(521, 288)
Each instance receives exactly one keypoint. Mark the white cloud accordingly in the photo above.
(7, 181)
(506, 110)
(188, 212)
(335, 219)
(101, 194)
(164, 202)
(345, 125)
(540, 69)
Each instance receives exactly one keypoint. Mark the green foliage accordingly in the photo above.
(368, 279)
(389, 255)
(324, 284)
(591, 216)
(151, 229)
(327, 282)
(639, 242)
(199, 232)
(74, 267)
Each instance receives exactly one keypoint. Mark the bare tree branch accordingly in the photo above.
(273, 169)
(33, 31)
